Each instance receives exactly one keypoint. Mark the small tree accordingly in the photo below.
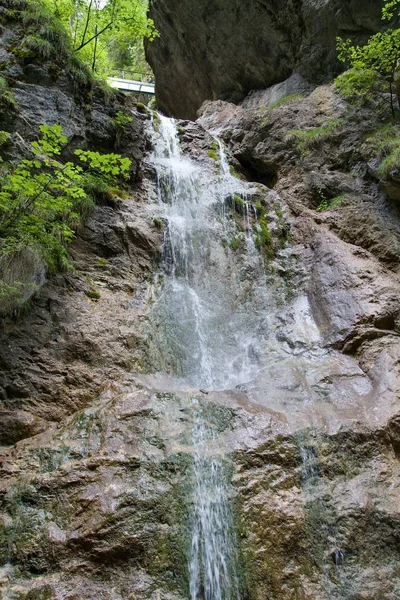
(373, 66)
(98, 27)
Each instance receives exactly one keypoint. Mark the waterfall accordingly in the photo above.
(213, 554)
(210, 319)
(208, 327)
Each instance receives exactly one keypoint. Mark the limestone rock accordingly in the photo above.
(226, 50)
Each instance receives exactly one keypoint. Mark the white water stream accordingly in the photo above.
(208, 324)
(211, 311)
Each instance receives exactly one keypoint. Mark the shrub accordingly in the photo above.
(384, 144)
(122, 119)
(327, 204)
(309, 138)
(372, 66)
(43, 199)
(7, 99)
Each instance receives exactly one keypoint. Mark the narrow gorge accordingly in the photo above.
(206, 406)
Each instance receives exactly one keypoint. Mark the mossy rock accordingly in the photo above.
(93, 294)
(212, 154)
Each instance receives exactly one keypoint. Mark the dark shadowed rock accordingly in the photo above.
(224, 50)
(16, 425)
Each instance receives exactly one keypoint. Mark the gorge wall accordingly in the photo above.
(96, 456)
(225, 49)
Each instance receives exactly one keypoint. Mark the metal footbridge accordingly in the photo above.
(129, 81)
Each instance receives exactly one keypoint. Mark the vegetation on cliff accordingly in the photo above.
(374, 66)
(106, 34)
(44, 198)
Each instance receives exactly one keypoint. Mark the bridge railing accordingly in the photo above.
(132, 75)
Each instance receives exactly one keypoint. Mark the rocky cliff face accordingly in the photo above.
(97, 457)
(94, 494)
(113, 252)
(225, 50)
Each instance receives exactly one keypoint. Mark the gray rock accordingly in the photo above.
(227, 50)
(296, 84)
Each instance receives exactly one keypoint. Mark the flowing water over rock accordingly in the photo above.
(213, 552)
(211, 313)
(206, 335)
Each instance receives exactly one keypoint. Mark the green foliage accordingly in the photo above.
(391, 163)
(109, 166)
(233, 172)
(236, 242)
(159, 223)
(44, 35)
(212, 154)
(35, 46)
(42, 199)
(106, 34)
(262, 238)
(7, 99)
(309, 138)
(122, 119)
(142, 108)
(372, 67)
(93, 294)
(286, 100)
(12, 293)
(326, 204)
(384, 143)
(4, 137)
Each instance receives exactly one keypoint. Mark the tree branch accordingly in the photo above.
(94, 36)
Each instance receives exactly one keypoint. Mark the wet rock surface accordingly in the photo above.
(83, 330)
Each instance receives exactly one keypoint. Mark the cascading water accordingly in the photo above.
(211, 313)
(211, 326)
(207, 328)
(213, 554)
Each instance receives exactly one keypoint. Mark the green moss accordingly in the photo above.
(157, 123)
(263, 238)
(212, 154)
(286, 100)
(102, 262)
(93, 294)
(278, 211)
(158, 223)
(235, 242)
(238, 203)
(142, 108)
(43, 593)
(233, 172)
(51, 459)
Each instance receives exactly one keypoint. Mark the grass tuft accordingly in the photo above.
(311, 138)
(286, 100)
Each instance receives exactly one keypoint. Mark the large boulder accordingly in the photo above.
(222, 50)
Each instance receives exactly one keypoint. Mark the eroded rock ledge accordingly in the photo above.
(223, 50)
